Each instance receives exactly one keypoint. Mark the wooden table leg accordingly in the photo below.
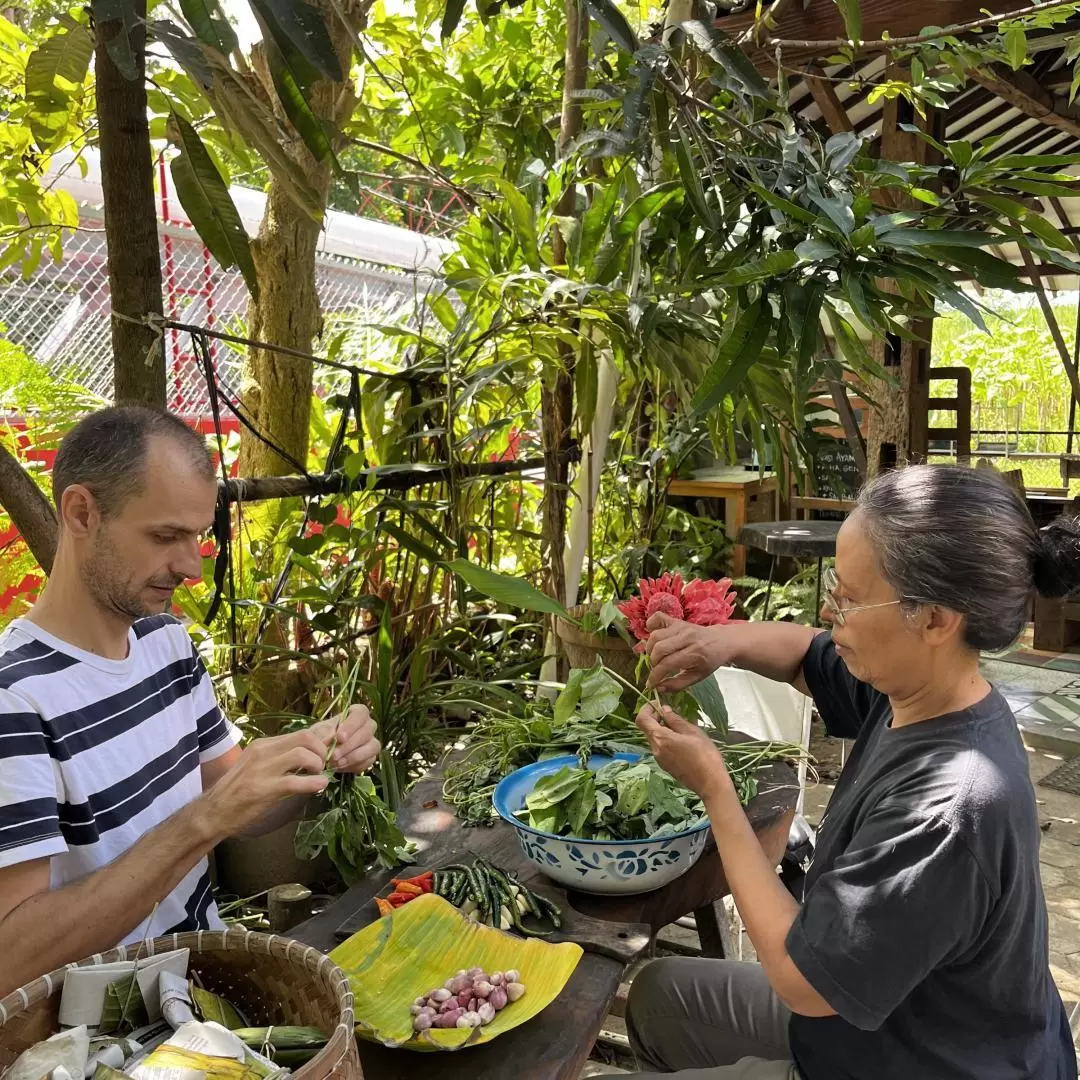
(734, 520)
(713, 932)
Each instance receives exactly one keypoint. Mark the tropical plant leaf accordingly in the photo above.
(772, 265)
(645, 206)
(733, 61)
(65, 56)
(209, 24)
(802, 306)
(524, 219)
(451, 17)
(296, 105)
(410, 543)
(710, 700)
(586, 379)
(691, 178)
(914, 238)
(595, 220)
(737, 354)
(186, 51)
(614, 23)
(1016, 47)
(119, 47)
(205, 197)
(852, 15)
(512, 591)
(988, 269)
(299, 32)
(785, 206)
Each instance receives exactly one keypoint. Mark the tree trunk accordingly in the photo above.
(278, 388)
(557, 396)
(131, 232)
(30, 511)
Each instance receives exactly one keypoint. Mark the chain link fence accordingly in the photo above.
(60, 314)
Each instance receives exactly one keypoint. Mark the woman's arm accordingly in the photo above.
(682, 654)
(767, 908)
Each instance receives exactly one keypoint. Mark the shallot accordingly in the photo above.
(468, 999)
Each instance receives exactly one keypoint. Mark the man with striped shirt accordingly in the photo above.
(118, 771)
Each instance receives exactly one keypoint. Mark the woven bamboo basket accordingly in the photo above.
(272, 980)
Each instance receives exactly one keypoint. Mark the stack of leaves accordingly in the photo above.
(622, 800)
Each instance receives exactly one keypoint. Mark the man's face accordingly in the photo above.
(134, 560)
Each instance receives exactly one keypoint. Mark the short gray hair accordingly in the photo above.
(964, 539)
(105, 452)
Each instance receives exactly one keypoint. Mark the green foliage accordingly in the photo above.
(46, 103)
(47, 406)
(204, 195)
(619, 801)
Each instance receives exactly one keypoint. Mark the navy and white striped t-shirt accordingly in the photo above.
(95, 753)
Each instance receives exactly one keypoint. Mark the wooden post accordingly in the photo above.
(898, 431)
(1051, 321)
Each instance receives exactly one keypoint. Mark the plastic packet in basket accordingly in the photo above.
(205, 1051)
(66, 1051)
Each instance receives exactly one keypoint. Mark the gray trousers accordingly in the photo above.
(708, 1020)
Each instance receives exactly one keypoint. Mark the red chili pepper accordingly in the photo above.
(406, 886)
(396, 899)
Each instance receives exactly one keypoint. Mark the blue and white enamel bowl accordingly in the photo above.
(596, 866)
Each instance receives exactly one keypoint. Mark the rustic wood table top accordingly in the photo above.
(612, 930)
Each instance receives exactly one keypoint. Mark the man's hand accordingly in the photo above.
(683, 653)
(357, 748)
(684, 750)
(267, 772)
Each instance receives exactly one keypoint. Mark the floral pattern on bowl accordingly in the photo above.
(596, 866)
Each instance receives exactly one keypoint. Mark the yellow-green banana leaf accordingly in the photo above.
(427, 941)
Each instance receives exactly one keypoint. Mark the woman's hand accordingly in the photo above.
(357, 748)
(683, 653)
(684, 750)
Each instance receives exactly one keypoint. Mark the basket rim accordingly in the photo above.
(203, 941)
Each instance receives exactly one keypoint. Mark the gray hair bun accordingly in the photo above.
(1056, 563)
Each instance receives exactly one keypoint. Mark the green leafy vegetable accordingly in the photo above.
(622, 800)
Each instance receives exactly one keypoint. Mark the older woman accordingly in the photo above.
(919, 951)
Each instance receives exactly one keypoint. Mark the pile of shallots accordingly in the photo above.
(471, 998)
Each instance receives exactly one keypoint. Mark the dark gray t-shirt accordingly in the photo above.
(923, 923)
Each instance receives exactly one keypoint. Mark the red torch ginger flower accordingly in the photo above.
(705, 603)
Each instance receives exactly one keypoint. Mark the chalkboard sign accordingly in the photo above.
(836, 475)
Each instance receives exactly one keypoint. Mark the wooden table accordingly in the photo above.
(747, 496)
(555, 1044)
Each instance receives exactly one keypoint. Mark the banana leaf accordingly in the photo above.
(422, 944)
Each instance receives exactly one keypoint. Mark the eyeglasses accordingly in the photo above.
(830, 583)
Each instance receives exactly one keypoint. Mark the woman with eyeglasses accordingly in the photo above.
(919, 948)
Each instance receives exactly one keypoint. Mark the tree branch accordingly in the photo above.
(30, 512)
(1023, 92)
(888, 44)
